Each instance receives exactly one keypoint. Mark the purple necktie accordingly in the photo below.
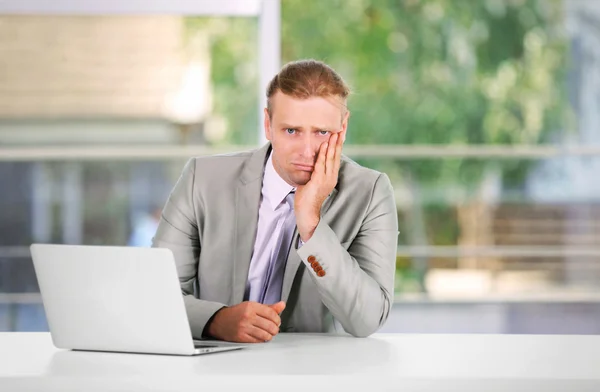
(274, 281)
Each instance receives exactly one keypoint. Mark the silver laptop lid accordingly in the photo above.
(112, 298)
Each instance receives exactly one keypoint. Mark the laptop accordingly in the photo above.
(118, 299)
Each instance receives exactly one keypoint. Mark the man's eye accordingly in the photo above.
(324, 133)
(290, 131)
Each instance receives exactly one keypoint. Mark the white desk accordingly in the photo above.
(309, 362)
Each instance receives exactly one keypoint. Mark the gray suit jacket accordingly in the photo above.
(210, 220)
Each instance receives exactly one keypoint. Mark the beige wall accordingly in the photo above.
(80, 67)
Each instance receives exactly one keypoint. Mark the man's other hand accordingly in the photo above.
(248, 322)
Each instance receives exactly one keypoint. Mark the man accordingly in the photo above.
(289, 237)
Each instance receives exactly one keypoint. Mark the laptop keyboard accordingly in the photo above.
(200, 345)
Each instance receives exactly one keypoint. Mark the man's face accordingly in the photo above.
(297, 129)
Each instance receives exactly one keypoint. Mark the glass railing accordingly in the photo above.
(476, 223)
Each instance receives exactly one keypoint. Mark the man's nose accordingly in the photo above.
(309, 148)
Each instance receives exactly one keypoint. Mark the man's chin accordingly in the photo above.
(302, 178)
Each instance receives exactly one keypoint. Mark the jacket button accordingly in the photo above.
(311, 259)
(321, 273)
(314, 264)
(318, 268)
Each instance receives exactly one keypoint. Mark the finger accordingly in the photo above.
(247, 338)
(266, 325)
(338, 153)
(260, 334)
(333, 139)
(278, 307)
(320, 164)
(268, 313)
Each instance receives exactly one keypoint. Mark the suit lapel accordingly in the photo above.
(247, 202)
(291, 267)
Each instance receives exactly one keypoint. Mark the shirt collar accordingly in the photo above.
(274, 188)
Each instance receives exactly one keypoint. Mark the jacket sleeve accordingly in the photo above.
(178, 231)
(357, 285)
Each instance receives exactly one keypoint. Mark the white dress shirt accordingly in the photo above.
(271, 214)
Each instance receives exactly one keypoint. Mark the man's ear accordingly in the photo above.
(267, 125)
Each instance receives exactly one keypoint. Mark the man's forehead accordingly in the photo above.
(321, 109)
(334, 101)
(324, 124)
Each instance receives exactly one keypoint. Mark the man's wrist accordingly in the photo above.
(207, 333)
(307, 232)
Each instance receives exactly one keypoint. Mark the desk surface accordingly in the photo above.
(29, 361)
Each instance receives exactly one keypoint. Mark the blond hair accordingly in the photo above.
(307, 78)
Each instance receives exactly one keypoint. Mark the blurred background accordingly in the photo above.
(485, 115)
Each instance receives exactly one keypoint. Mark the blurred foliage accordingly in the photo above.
(440, 72)
(234, 72)
(422, 72)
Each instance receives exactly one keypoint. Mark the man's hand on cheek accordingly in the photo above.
(310, 197)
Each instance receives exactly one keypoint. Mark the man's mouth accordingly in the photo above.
(303, 167)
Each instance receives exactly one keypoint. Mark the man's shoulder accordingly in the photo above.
(352, 172)
(220, 171)
(358, 184)
(219, 164)
(230, 157)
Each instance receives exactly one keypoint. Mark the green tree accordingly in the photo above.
(423, 72)
(234, 72)
(438, 71)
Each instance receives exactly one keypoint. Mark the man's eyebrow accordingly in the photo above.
(285, 125)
